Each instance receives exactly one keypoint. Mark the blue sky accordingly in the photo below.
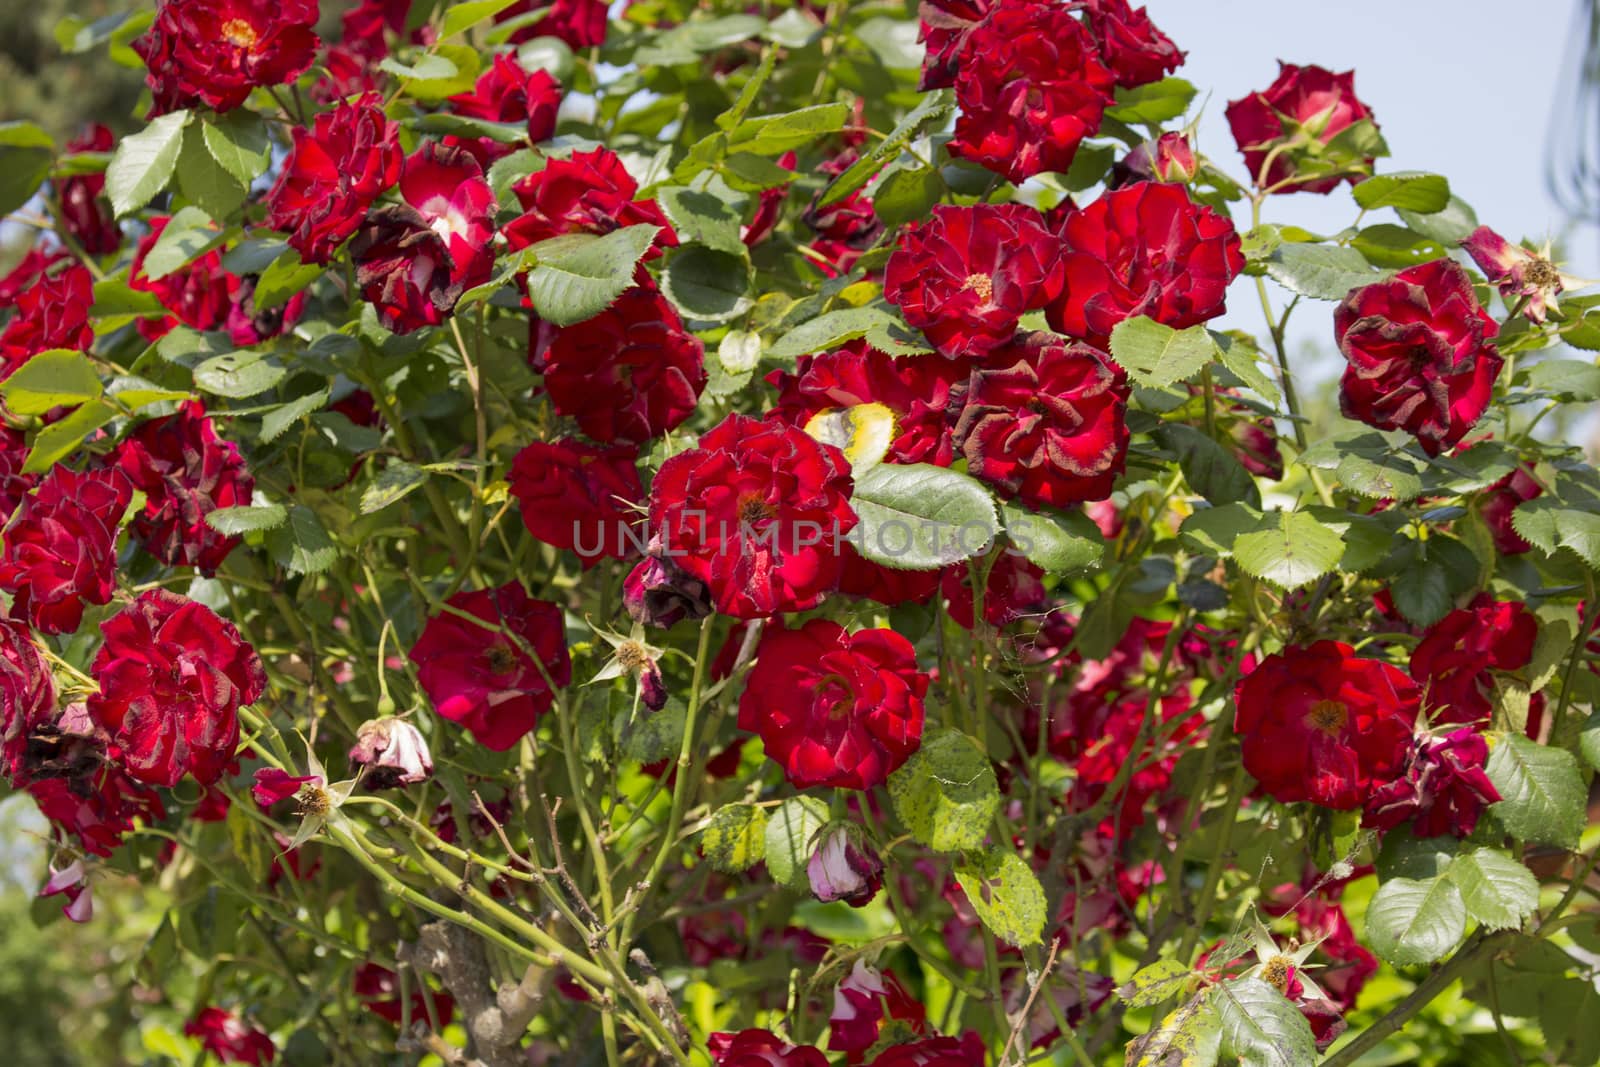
(1463, 88)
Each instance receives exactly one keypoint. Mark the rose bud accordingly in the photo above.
(660, 593)
(73, 882)
(1529, 280)
(85, 212)
(843, 868)
(1169, 159)
(1311, 126)
(393, 753)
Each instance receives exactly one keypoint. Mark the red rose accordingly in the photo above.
(14, 485)
(1500, 500)
(754, 512)
(482, 676)
(917, 390)
(60, 549)
(863, 1003)
(231, 1039)
(507, 92)
(1454, 659)
(99, 810)
(27, 696)
(273, 786)
(630, 373)
(852, 220)
(213, 52)
(85, 212)
(414, 260)
(945, 27)
(580, 497)
(24, 275)
(332, 176)
(378, 988)
(965, 277)
(51, 313)
(1144, 249)
(1130, 44)
(198, 294)
(1320, 724)
(761, 1048)
(1420, 353)
(836, 709)
(965, 1051)
(589, 192)
(1045, 421)
(186, 472)
(173, 676)
(248, 326)
(580, 23)
(1031, 87)
(1443, 791)
(1301, 116)
(1015, 588)
(859, 576)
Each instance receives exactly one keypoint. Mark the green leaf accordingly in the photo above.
(393, 484)
(53, 379)
(25, 135)
(237, 375)
(279, 419)
(771, 135)
(1157, 355)
(1421, 858)
(736, 838)
(708, 284)
(932, 106)
(188, 235)
(62, 438)
(1059, 542)
(114, 298)
(946, 793)
(1566, 379)
(301, 545)
(1322, 272)
(1498, 892)
(1240, 355)
(893, 41)
(1006, 894)
(1589, 739)
(1391, 476)
(920, 517)
(1260, 1027)
(790, 839)
(1451, 225)
(1412, 190)
(1299, 551)
(1218, 530)
(907, 194)
(1411, 921)
(235, 522)
(1189, 1036)
(828, 331)
(285, 277)
(578, 275)
(1211, 470)
(144, 162)
(1548, 525)
(1387, 245)
(1541, 791)
(22, 172)
(202, 180)
(702, 217)
(1151, 985)
(461, 17)
(1152, 104)
(238, 141)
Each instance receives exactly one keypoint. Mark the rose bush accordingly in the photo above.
(724, 534)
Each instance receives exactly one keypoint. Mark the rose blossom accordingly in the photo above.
(51, 313)
(1129, 43)
(1319, 724)
(581, 497)
(660, 593)
(230, 1039)
(628, 374)
(1500, 501)
(1301, 116)
(580, 23)
(1454, 660)
(1044, 421)
(186, 472)
(172, 676)
(588, 192)
(965, 1051)
(1144, 249)
(864, 1003)
(1443, 790)
(967, 275)
(333, 174)
(198, 294)
(754, 512)
(1031, 87)
(843, 867)
(85, 212)
(485, 679)
(835, 709)
(98, 810)
(393, 753)
(761, 1048)
(60, 548)
(213, 52)
(27, 696)
(507, 92)
(945, 26)
(1420, 354)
